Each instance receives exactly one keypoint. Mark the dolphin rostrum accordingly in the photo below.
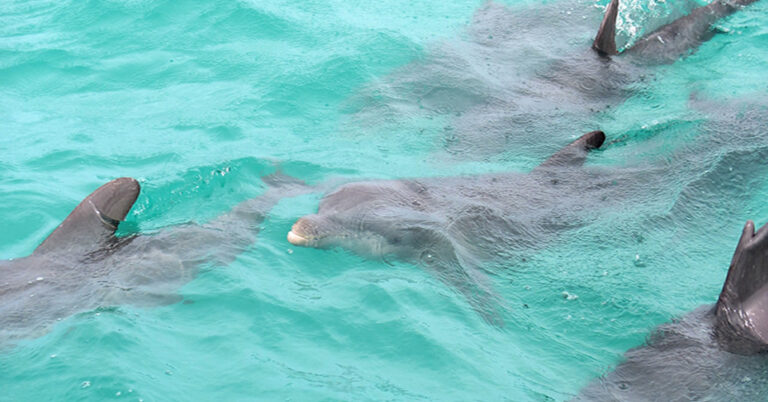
(449, 225)
(82, 265)
(715, 352)
(670, 41)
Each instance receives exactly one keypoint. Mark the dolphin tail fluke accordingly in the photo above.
(575, 153)
(95, 219)
(605, 41)
(742, 310)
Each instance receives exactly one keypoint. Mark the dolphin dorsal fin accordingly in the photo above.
(575, 153)
(741, 313)
(605, 41)
(95, 219)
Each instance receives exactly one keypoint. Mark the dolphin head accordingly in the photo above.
(357, 232)
(343, 220)
(370, 218)
(316, 231)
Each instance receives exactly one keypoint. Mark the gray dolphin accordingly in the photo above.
(663, 45)
(670, 41)
(82, 265)
(499, 83)
(715, 352)
(449, 225)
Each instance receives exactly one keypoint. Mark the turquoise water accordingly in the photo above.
(199, 100)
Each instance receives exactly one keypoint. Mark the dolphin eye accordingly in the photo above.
(427, 257)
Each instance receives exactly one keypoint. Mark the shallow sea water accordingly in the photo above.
(199, 100)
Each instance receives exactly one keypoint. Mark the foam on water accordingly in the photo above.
(200, 100)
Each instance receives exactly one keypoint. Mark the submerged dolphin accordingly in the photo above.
(449, 225)
(670, 41)
(82, 265)
(714, 353)
(495, 86)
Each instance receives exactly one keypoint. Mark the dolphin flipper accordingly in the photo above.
(575, 153)
(741, 311)
(444, 260)
(95, 219)
(477, 289)
(471, 284)
(605, 41)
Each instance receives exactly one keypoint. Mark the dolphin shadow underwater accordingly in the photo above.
(450, 226)
(713, 353)
(82, 265)
(502, 81)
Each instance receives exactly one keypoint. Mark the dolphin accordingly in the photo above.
(669, 42)
(450, 225)
(600, 76)
(713, 353)
(501, 82)
(83, 266)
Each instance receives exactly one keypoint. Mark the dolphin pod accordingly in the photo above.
(82, 265)
(432, 222)
(437, 223)
(715, 352)
(498, 83)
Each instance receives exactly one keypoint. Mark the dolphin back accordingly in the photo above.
(575, 153)
(669, 42)
(709, 354)
(94, 221)
(741, 324)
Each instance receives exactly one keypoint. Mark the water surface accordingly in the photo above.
(198, 101)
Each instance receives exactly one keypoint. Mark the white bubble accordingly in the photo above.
(569, 296)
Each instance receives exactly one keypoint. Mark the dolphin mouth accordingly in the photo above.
(306, 232)
(298, 240)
